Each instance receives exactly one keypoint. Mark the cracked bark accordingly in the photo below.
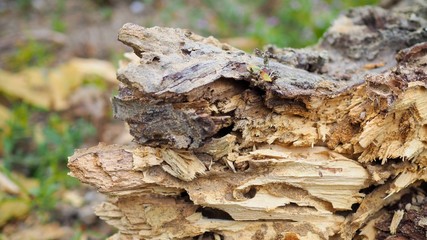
(312, 144)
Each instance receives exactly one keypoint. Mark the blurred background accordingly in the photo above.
(57, 73)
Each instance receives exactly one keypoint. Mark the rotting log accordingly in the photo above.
(310, 143)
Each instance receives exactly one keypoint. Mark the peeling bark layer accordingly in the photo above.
(286, 144)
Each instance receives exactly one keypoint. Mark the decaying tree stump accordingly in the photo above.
(315, 143)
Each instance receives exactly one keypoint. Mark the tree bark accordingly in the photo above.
(309, 143)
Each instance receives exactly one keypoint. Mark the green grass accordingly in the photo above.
(290, 23)
(29, 53)
(37, 144)
(58, 24)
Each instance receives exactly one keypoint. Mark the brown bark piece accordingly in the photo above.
(412, 225)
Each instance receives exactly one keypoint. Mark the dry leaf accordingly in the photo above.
(51, 88)
(41, 232)
(8, 185)
(13, 209)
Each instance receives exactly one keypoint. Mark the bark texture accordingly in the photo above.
(313, 143)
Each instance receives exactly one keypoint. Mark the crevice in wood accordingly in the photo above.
(224, 131)
(209, 236)
(213, 213)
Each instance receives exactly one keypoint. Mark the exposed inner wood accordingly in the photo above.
(307, 143)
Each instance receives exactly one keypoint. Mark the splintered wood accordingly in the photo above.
(307, 143)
